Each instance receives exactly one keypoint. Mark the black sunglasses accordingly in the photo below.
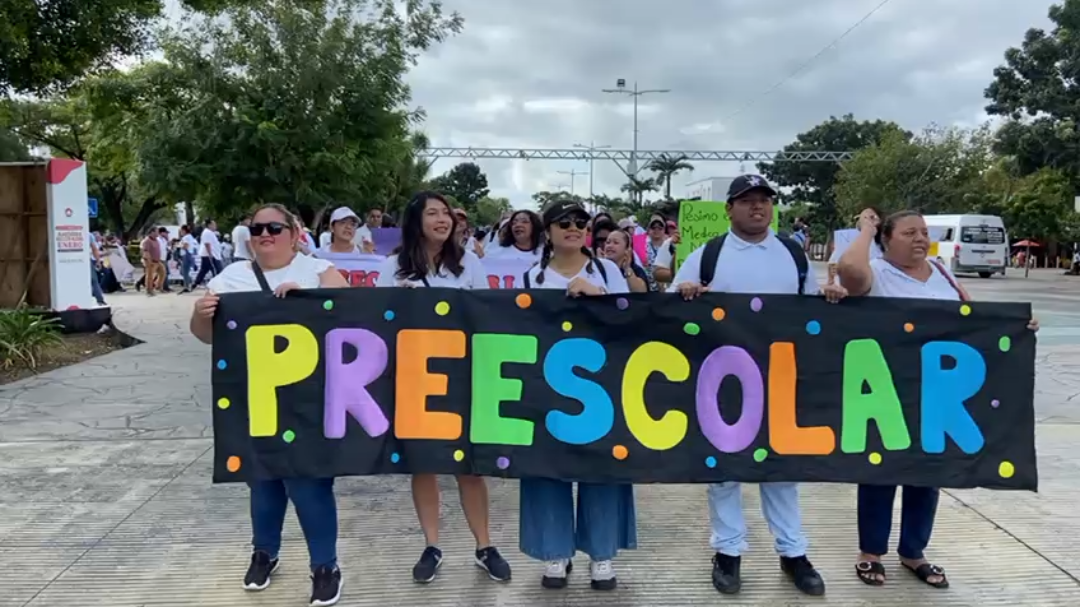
(580, 223)
(656, 224)
(273, 228)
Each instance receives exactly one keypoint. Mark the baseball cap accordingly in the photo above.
(343, 213)
(745, 183)
(561, 209)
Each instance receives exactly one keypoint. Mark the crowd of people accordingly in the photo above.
(589, 255)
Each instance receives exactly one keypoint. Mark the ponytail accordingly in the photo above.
(545, 259)
(588, 253)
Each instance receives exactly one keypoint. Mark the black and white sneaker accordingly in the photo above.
(493, 563)
(260, 570)
(325, 586)
(556, 574)
(602, 575)
(427, 567)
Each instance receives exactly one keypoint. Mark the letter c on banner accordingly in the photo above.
(669, 430)
(267, 370)
(724, 361)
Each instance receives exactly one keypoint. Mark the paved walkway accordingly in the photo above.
(106, 500)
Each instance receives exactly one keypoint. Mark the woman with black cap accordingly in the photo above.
(604, 522)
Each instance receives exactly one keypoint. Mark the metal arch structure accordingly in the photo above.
(627, 155)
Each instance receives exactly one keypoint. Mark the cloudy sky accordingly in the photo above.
(528, 74)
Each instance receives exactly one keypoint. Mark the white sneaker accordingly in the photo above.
(556, 573)
(603, 575)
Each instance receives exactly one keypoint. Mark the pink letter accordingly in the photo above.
(346, 384)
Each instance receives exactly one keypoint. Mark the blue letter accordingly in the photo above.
(944, 393)
(598, 414)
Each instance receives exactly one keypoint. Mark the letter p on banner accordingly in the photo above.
(268, 369)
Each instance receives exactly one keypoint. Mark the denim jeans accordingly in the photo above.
(779, 504)
(95, 284)
(207, 265)
(919, 506)
(603, 524)
(313, 499)
(187, 265)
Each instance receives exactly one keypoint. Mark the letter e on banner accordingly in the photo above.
(415, 383)
(490, 389)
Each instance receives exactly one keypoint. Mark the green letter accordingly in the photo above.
(864, 362)
(490, 388)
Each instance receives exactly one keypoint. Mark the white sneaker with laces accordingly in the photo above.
(556, 573)
(603, 575)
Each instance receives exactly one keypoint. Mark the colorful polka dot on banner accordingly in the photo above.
(622, 303)
(442, 308)
(995, 403)
(288, 436)
(567, 326)
(503, 463)
(223, 403)
(459, 455)
(524, 300)
(231, 324)
(875, 458)
(760, 455)
(388, 315)
(1004, 344)
(221, 364)
(718, 314)
(965, 310)
(394, 458)
(691, 328)
(755, 304)
(710, 461)
(620, 452)
(328, 305)
(813, 327)
(908, 327)
(232, 464)
(1006, 470)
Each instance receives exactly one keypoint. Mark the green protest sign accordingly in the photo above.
(700, 220)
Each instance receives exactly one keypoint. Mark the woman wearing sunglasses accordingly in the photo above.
(431, 256)
(552, 530)
(278, 269)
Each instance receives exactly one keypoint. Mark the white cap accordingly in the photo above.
(343, 213)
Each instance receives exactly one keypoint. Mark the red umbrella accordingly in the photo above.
(1027, 243)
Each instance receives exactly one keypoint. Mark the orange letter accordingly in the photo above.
(415, 384)
(785, 435)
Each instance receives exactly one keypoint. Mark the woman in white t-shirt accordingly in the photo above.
(431, 256)
(519, 238)
(604, 521)
(343, 225)
(278, 268)
(903, 271)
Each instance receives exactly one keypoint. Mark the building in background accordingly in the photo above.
(712, 188)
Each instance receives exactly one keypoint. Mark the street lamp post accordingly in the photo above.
(592, 147)
(620, 89)
(573, 173)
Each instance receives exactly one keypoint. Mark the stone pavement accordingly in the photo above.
(106, 500)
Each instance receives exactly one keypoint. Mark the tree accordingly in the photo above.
(1038, 206)
(465, 182)
(666, 166)
(813, 182)
(411, 172)
(490, 210)
(12, 147)
(544, 198)
(638, 186)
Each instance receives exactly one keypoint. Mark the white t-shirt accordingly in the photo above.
(663, 257)
(363, 234)
(494, 251)
(164, 243)
(327, 253)
(744, 267)
(192, 245)
(616, 282)
(239, 277)
(241, 237)
(890, 281)
(209, 237)
(472, 276)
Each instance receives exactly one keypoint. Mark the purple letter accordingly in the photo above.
(346, 384)
(730, 360)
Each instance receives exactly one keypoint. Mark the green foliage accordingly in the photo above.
(490, 210)
(12, 147)
(465, 182)
(637, 187)
(1038, 206)
(24, 333)
(666, 166)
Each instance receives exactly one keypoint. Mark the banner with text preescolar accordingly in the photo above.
(631, 388)
(362, 270)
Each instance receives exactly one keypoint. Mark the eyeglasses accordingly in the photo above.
(656, 225)
(273, 228)
(580, 223)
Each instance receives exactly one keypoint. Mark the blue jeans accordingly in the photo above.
(187, 265)
(779, 504)
(95, 284)
(916, 519)
(604, 523)
(313, 499)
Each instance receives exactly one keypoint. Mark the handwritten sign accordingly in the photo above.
(630, 388)
(700, 220)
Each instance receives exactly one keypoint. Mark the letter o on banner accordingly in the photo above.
(724, 361)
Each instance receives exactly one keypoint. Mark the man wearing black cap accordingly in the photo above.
(751, 258)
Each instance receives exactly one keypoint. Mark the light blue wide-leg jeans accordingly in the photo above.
(779, 504)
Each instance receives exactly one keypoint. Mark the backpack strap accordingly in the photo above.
(600, 267)
(798, 255)
(948, 277)
(709, 257)
(525, 279)
(259, 276)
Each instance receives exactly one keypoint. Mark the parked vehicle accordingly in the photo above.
(971, 244)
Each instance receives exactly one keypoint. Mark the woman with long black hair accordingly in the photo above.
(431, 256)
(520, 237)
(603, 523)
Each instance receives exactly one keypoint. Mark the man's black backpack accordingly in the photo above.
(711, 254)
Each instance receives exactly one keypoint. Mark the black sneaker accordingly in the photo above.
(493, 563)
(427, 567)
(803, 575)
(325, 586)
(726, 575)
(260, 570)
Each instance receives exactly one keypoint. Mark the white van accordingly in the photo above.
(973, 244)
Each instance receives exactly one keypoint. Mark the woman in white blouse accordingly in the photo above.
(603, 523)
(521, 237)
(903, 270)
(343, 225)
(278, 268)
(430, 256)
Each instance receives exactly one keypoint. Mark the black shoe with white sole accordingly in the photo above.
(260, 570)
(493, 563)
(325, 586)
(427, 567)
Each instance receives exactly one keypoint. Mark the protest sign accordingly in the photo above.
(699, 221)
(842, 239)
(362, 270)
(623, 388)
(386, 240)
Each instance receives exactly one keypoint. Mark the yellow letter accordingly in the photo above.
(669, 430)
(267, 370)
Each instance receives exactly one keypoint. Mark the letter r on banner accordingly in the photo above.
(943, 395)
(346, 383)
(267, 370)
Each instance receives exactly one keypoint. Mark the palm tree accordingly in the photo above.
(666, 166)
(636, 186)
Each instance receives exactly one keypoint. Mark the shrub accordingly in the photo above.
(23, 335)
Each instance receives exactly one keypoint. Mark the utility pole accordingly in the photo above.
(592, 147)
(620, 89)
(573, 173)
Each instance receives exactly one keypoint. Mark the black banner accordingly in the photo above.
(633, 388)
